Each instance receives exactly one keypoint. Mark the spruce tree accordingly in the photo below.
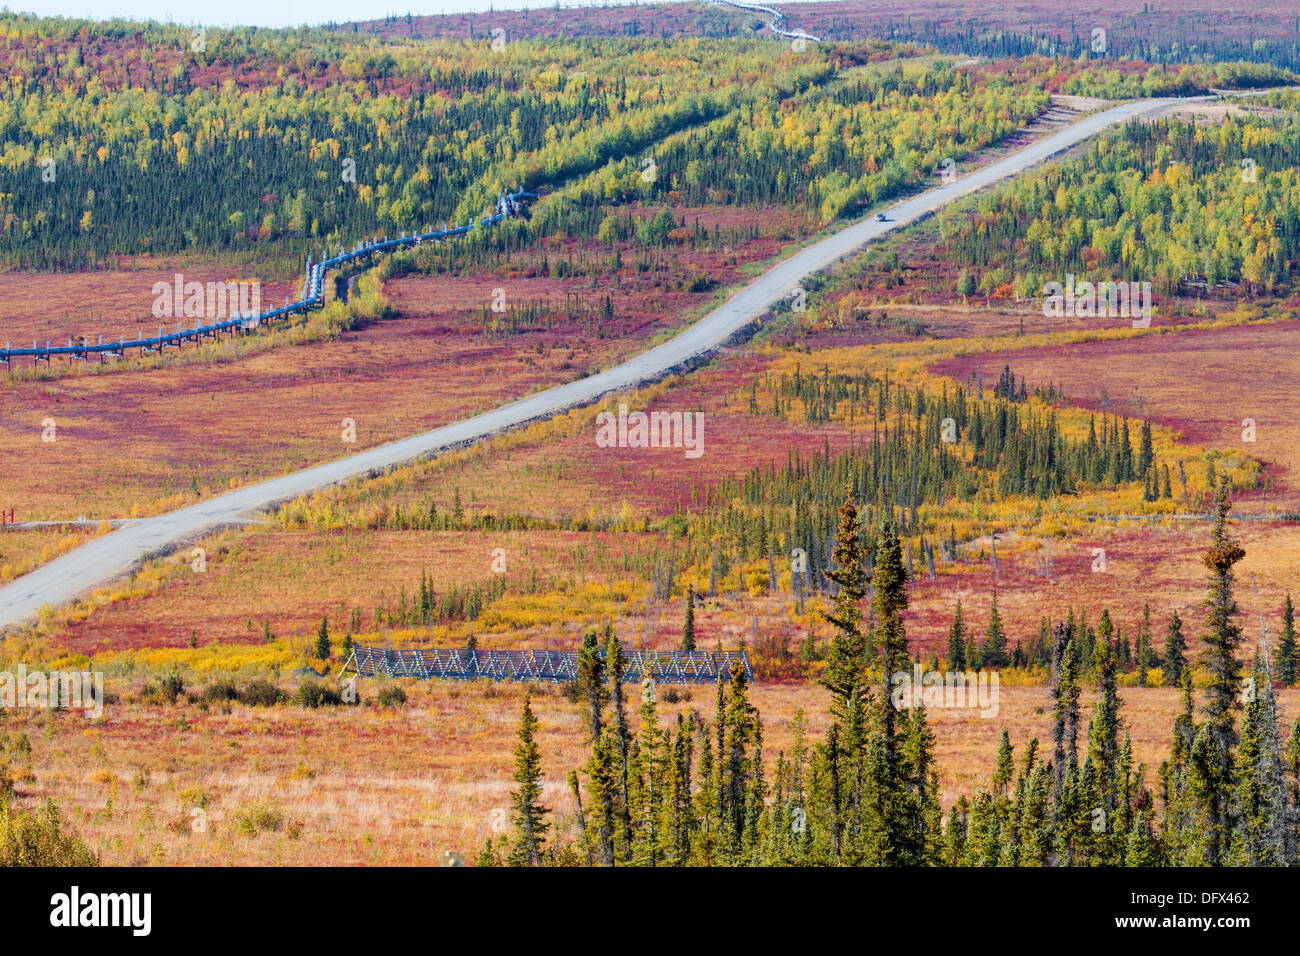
(1209, 786)
(737, 763)
(1288, 664)
(1002, 771)
(995, 640)
(528, 815)
(679, 820)
(888, 601)
(602, 769)
(1220, 642)
(591, 683)
(886, 836)
(602, 782)
(1103, 732)
(323, 640)
(1179, 824)
(615, 664)
(954, 834)
(957, 641)
(1065, 699)
(1142, 847)
(647, 792)
(844, 675)
(1260, 812)
(1033, 811)
(705, 809)
(688, 629)
(796, 793)
(1291, 764)
(922, 822)
(1142, 652)
(1145, 454)
(1174, 659)
(582, 820)
(984, 838)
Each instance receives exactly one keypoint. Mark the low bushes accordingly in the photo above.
(38, 839)
(313, 694)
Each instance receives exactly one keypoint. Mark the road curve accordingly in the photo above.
(105, 559)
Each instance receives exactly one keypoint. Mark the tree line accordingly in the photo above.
(1187, 207)
(919, 455)
(700, 793)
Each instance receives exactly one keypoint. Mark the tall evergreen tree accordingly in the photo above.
(1260, 811)
(1180, 809)
(603, 784)
(679, 817)
(1223, 637)
(688, 628)
(323, 639)
(527, 813)
(602, 772)
(1003, 769)
(922, 813)
(1174, 659)
(648, 791)
(1145, 454)
(705, 811)
(888, 601)
(957, 641)
(1288, 664)
(995, 640)
(615, 665)
(844, 675)
(1065, 699)
(591, 683)
(738, 763)
(1103, 733)
(1210, 770)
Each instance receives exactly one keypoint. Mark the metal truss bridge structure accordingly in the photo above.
(547, 666)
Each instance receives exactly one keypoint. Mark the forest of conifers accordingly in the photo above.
(867, 793)
(254, 143)
(1168, 202)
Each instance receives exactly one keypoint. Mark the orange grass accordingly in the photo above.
(289, 581)
(366, 786)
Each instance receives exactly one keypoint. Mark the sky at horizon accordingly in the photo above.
(272, 13)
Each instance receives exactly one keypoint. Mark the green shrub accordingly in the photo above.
(312, 694)
(171, 687)
(390, 695)
(220, 691)
(195, 797)
(38, 839)
(261, 816)
(262, 693)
